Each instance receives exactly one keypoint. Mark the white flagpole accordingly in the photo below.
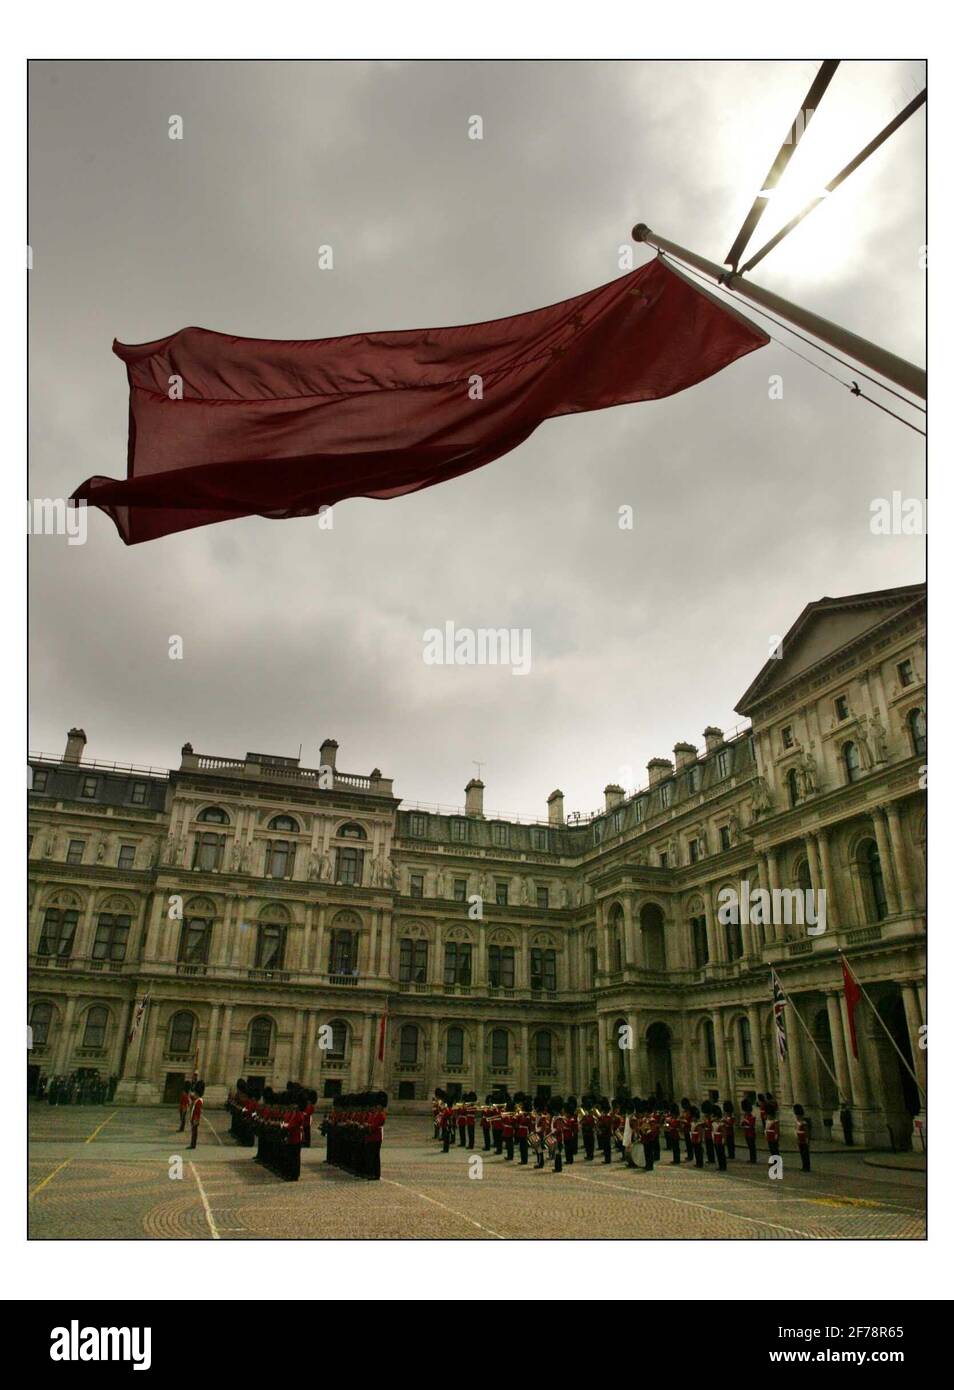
(904, 1061)
(877, 359)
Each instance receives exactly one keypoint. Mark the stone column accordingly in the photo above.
(64, 1042)
(208, 1053)
(797, 1043)
(839, 1054)
(714, 928)
(828, 878)
(631, 953)
(912, 1014)
(482, 973)
(386, 928)
(294, 1062)
(479, 1065)
(523, 1073)
(884, 853)
(900, 857)
(758, 1056)
(723, 1080)
(221, 1071)
(434, 1056)
(638, 1077)
(774, 932)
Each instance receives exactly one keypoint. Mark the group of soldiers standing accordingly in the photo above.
(279, 1122)
(354, 1132)
(88, 1089)
(552, 1128)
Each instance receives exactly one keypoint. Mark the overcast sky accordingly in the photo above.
(746, 508)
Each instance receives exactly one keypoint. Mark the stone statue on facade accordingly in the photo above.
(879, 740)
(862, 740)
(761, 798)
(325, 870)
(440, 884)
(527, 896)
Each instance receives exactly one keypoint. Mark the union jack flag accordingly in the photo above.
(778, 1008)
(140, 1010)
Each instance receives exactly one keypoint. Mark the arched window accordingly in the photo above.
(409, 1043)
(455, 1047)
(214, 815)
(803, 875)
(280, 859)
(745, 1042)
(286, 823)
(873, 880)
(270, 948)
(351, 831)
(260, 1038)
(652, 925)
(59, 928)
(94, 1034)
(41, 1017)
(543, 1048)
(708, 1037)
(194, 940)
(181, 1029)
(917, 727)
(501, 966)
(791, 781)
(700, 941)
(852, 761)
(499, 1048)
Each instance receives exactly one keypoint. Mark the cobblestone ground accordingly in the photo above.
(103, 1173)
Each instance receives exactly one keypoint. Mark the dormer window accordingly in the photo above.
(417, 824)
(665, 794)
(500, 834)
(692, 780)
(722, 763)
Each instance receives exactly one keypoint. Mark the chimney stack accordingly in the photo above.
(613, 794)
(685, 753)
(555, 807)
(714, 737)
(75, 743)
(658, 769)
(474, 798)
(327, 753)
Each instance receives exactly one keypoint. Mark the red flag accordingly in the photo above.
(852, 997)
(223, 427)
(382, 1031)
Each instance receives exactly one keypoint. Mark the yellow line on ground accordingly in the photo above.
(50, 1176)
(205, 1202)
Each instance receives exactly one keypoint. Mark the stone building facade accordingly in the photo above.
(273, 914)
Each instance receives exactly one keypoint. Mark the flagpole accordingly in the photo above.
(821, 1057)
(904, 1061)
(904, 374)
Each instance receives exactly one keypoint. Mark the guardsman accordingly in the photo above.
(185, 1101)
(374, 1134)
(509, 1129)
(496, 1127)
(747, 1125)
(772, 1132)
(311, 1100)
(728, 1127)
(803, 1135)
(571, 1129)
(697, 1133)
(461, 1121)
(486, 1110)
(542, 1127)
(706, 1111)
(685, 1120)
(649, 1134)
(604, 1129)
(588, 1128)
(471, 1127)
(718, 1136)
(437, 1105)
(522, 1128)
(294, 1128)
(673, 1141)
(445, 1124)
(195, 1114)
(557, 1131)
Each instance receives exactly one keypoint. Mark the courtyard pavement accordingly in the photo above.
(105, 1173)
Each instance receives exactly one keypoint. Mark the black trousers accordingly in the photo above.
(688, 1147)
(498, 1141)
(524, 1146)
(588, 1143)
(486, 1130)
(720, 1157)
(182, 1120)
(471, 1132)
(676, 1152)
(570, 1148)
(730, 1143)
(697, 1151)
(649, 1153)
(773, 1147)
(374, 1160)
(806, 1158)
(750, 1143)
(710, 1149)
(447, 1139)
(195, 1137)
(606, 1144)
(558, 1159)
(508, 1142)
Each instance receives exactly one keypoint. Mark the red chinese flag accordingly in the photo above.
(852, 997)
(223, 427)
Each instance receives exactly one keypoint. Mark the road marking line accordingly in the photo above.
(453, 1212)
(49, 1178)
(205, 1201)
(213, 1128)
(685, 1202)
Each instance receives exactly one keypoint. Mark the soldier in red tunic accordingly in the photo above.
(185, 1100)
(718, 1136)
(522, 1122)
(588, 1128)
(772, 1132)
(374, 1135)
(571, 1127)
(697, 1133)
(557, 1131)
(195, 1114)
(747, 1125)
(604, 1129)
(803, 1134)
(673, 1125)
(728, 1127)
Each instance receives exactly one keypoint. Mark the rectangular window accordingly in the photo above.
(270, 952)
(500, 835)
(74, 854)
(841, 707)
(905, 675)
(458, 830)
(88, 788)
(207, 853)
(127, 856)
(413, 961)
(138, 793)
(639, 810)
(460, 890)
(542, 969)
(724, 837)
(617, 822)
(539, 838)
(700, 941)
(788, 738)
(194, 941)
(663, 860)
(665, 793)
(502, 893)
(417, 824)
(40, 777)
(457, 962)
(722, 763)
(543, 897)
(692, 780)
(112, 932)
(349, 865)
(591, 964)
(417, 885)
(344, 954)
(501, 965)
(693, 851)
(59, 928)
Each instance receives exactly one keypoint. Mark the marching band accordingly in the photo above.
(549, 1128)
